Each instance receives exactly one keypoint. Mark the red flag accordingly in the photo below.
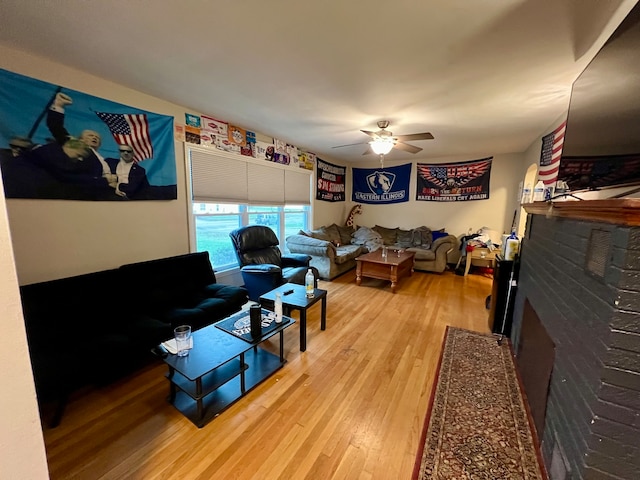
(550, 155)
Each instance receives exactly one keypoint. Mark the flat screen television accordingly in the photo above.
(602, 140)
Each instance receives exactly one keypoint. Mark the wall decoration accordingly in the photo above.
(192, 120)
(280, 146)
(192, 134)
(282, 158)
(249, 150)
(251, 137)
(330, 185)
(381, 186)
(550, 155)
(237, 136)
(307, 160)
(65, 144)
(207, 138)
(292, 151)
(451, 182)
(216, 127)
(179, 133)
(264, 150)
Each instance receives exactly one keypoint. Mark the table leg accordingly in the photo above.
(172, 386)
(199, 401)
(242, 380)
(281, 346)
(394, 278)
(323, 314)
(303, 329)
(467, 265)
(359, 273)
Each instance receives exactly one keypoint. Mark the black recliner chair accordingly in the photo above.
(263, 267)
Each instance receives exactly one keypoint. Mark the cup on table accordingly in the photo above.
(182, 335)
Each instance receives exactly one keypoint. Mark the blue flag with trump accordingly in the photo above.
(381, 185)
(59, 143)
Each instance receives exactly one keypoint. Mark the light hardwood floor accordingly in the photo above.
(352, 406)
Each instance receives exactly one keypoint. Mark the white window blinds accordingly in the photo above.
(216, 178)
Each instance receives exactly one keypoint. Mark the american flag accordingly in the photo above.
(130, 129)
(550, 155)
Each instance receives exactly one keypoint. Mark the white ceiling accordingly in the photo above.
(483, 76)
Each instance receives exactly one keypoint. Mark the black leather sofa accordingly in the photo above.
(94, 328)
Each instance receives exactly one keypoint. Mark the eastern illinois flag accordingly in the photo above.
(381, 185)
(550, 155)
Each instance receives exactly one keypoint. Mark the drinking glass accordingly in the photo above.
(182, 335)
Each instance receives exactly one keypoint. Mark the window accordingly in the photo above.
(231, 191)
(214, 222)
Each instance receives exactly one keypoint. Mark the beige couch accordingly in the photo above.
(333, 251)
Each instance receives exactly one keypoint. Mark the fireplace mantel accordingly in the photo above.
(618, 211)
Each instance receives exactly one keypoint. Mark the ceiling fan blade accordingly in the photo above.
(368, 151)
(371, 134)
(414, 137)
(406, 147)
(350, 145)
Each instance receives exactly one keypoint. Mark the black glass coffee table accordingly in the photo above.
(220, 369)
(294, 298)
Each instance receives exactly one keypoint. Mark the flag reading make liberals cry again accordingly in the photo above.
(454, 182)
(60, 157)
(381, 185)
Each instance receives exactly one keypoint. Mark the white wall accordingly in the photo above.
(22, 454)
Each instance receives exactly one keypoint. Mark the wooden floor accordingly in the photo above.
(352, 406)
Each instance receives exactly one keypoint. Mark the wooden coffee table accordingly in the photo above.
(393, 268)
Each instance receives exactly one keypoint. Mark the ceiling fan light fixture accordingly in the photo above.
(382, 146)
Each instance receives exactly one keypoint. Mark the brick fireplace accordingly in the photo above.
(580, 279)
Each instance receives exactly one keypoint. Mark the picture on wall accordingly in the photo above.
(454, 182)
(330, 185)
(59, 143)
(381, 185)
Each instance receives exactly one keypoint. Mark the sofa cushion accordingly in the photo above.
(345, 233)
(422, 237)
(344, 253)
(389, 235)
(319, 234)
(405, 238)
(333, 233)
(422, 253)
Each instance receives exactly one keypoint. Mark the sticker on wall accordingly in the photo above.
(178, 133)
(207, 139)
(251, 137)
(192, 134)
(192, 120)
(216, 127)
(264, 150)
(292, 151)
(248, 151)
(281, 158)
(307, 160)
(237, 136)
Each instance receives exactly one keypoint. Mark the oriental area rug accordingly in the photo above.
(477, 426)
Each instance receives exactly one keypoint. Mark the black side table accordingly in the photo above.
(294, 298)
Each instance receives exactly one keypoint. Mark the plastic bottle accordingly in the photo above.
(512, 247)
(278, 308)
(538, 192)
(526, 193)
(309, 280)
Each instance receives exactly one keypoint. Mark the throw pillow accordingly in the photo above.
(422, 237)
(334, 234)
(345, 234)
(438, 234)
(405, 238)
(319, 234)
(389, 235)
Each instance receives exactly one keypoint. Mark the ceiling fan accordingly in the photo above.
(383, 140)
